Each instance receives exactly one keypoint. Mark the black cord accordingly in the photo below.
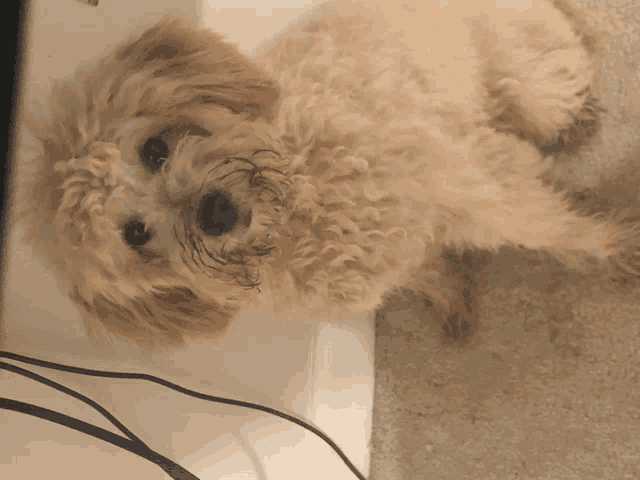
(50, 383)
(173, 386)
(174, 470)
(134, 444)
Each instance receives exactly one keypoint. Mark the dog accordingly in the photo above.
(177, 181)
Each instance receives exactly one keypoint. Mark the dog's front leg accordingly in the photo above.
(447, 282)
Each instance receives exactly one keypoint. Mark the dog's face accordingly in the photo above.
(156, 187)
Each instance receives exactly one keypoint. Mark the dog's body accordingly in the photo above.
(178, 175)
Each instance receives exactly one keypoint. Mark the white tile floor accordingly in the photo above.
(322, 371)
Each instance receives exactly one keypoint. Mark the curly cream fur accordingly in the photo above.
(356, 156)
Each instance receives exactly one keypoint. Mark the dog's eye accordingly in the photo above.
(136, 234)
(154, 153)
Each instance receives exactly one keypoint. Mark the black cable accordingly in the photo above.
(172, 469)
(192, 393)
(50, 383)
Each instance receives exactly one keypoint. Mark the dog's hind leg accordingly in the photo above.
(489, 194)
(539, 67)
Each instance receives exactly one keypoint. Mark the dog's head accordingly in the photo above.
(154, 181)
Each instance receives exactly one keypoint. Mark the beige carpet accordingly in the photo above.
(526, 397)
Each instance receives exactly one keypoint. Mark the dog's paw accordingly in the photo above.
(406, 311)
(447, 288)
(624, 265)
(457, 327)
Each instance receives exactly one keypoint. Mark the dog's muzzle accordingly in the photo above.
(217, 214)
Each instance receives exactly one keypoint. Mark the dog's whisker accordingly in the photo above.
(238, 171)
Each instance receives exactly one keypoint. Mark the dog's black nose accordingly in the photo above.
(217, 214)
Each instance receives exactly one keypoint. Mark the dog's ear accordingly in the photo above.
(202, 62)
(155, 319)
